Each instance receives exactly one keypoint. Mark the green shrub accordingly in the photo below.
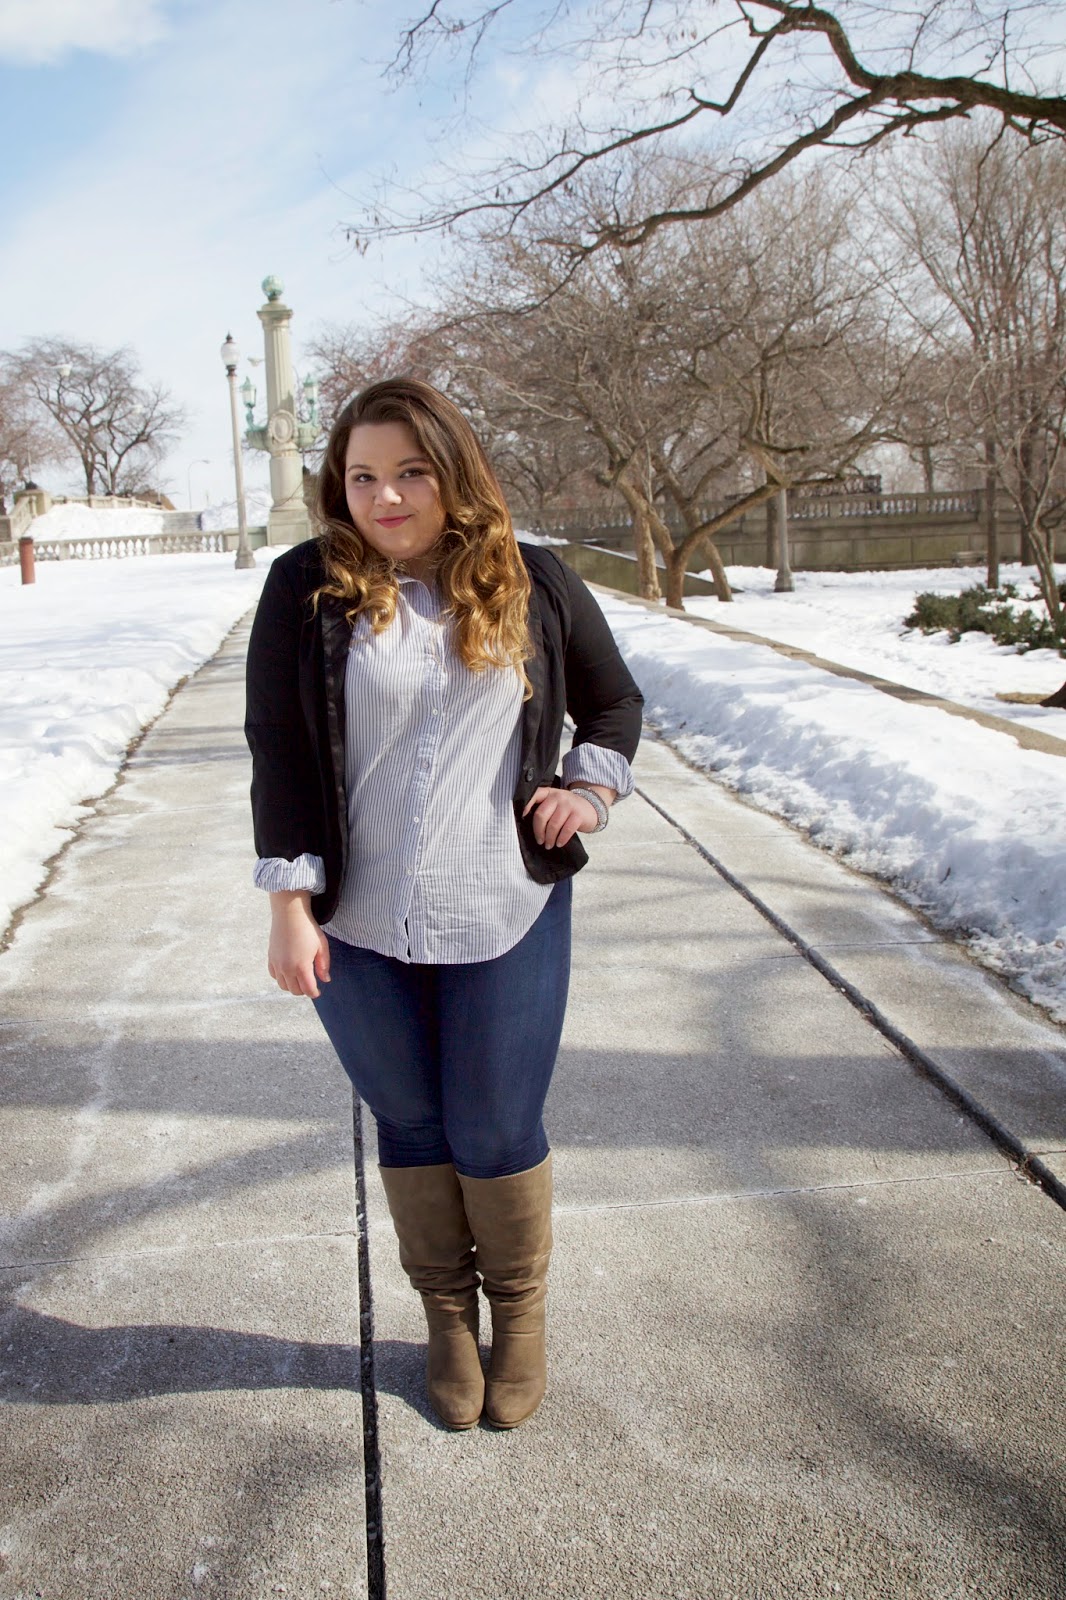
(983, 610)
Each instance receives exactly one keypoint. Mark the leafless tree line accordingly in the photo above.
(695, 374)
(65, 404)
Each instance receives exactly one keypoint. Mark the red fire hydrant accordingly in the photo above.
(27, 564)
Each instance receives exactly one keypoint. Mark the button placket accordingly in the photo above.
(426, 753)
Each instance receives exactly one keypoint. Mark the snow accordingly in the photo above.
(88, 522)
(88, 655)
(957, 818)
(856, 619)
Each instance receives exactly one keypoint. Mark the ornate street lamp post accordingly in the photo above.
(283, 435)
(230, 356)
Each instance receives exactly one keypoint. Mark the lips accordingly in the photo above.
(390, 522)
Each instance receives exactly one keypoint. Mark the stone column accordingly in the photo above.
(288, 521)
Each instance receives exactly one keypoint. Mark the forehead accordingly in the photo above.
(386, 443)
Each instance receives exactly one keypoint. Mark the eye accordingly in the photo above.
(358, 477)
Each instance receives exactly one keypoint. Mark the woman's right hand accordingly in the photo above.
(299, 951)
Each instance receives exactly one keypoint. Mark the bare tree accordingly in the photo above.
(703, 372)
(987, 223)
(348, 357)
(785, 77)
(115, 426)
(26, 441)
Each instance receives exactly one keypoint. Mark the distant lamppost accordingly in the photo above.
(201, 461)
(230, 356)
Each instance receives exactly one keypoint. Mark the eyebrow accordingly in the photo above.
(406, 462)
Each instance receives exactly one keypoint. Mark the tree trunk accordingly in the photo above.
(675, 580)
(771, 533)
(717, 566)
(647, 571)
(1040, 542)
(1028, 501)
(643, 544)
(991, 513)
(927, 469)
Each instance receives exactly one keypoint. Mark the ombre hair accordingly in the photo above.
(480, 570)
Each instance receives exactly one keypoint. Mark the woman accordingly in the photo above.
(408, 674)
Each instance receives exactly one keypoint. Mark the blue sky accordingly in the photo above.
(170, 155)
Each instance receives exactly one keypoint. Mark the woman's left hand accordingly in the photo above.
(558, 815)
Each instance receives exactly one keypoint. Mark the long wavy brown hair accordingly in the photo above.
(482, 577)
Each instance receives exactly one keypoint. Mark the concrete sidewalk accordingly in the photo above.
(806, 1319)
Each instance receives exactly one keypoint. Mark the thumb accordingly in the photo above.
(322, 961)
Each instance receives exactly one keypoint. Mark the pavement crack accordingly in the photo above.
(730, 1196)
(192, 1247)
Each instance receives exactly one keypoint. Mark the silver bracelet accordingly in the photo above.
(598, 805)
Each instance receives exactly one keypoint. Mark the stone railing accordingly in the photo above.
(814, 507)
(116, 547)
(16, 522)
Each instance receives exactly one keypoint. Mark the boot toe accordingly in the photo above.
(508, 1404)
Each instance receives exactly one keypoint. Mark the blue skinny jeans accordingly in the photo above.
(454, 1060)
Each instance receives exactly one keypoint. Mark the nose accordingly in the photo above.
(389, 496)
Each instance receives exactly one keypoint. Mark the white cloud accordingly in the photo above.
(36, 32)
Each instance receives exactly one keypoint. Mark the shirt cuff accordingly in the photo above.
(594, 763)
(275, 874)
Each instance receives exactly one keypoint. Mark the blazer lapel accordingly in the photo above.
(336, 639)
(531, 711)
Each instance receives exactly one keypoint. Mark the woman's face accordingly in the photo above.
(392, 492)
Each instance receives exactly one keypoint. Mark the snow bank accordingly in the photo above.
(856, 619)
(88, 655)
(85, 522)
(957, 818)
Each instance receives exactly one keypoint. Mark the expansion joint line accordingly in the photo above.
(1029, 1165)
(375, 1541)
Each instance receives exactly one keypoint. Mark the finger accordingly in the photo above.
(537, 796)
(322, 962)
(542, 817)
(305, 978)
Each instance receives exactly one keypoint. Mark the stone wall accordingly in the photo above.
(849, 534)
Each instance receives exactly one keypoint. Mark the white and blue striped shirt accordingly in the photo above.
(435, 873)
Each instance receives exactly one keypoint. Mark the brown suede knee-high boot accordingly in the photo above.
(510, 1219)
(436, 1252)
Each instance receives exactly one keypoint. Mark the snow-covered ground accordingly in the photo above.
(88, 655)
(856, 619)
(74, 521)
(960, 820)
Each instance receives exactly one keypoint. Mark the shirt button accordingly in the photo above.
(529, 774)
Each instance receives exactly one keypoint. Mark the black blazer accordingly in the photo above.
(296, 712)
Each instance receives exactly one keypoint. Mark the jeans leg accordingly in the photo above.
(381, 1018)
(500, 1025)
